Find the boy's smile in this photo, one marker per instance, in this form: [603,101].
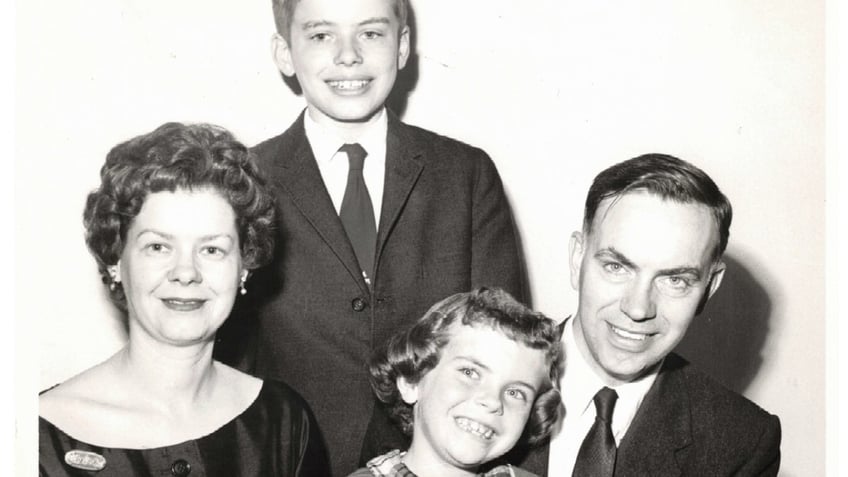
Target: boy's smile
[349,86]
[473,406]
[345,55]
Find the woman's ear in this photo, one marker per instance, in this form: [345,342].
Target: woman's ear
[408,391]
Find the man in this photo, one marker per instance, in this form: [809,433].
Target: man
[647,260]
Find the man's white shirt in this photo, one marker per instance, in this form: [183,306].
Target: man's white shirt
[334,165]
[579,385]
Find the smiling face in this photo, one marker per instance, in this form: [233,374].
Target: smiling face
[641,274]
[473,406]
[345,54]
[181,266]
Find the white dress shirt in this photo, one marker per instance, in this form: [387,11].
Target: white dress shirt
[579,385]
[334,165]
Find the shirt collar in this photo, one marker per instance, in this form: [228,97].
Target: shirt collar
[325,142]
[580,383]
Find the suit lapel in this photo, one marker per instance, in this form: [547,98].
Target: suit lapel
[403,167]
[302,179]
[661,427]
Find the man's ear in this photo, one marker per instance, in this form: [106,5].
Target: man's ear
[575,258]
[716,277]
[282,54]
[403,47]
[408,391]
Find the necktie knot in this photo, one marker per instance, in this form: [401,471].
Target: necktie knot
[355,155]
[605,403]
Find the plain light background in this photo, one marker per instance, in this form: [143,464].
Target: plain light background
[554,91]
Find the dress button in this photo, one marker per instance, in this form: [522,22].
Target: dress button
[358,304]
[180,468]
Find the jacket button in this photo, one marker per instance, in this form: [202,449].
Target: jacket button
[180,468]
[358,304]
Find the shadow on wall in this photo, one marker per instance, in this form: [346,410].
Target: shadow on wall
[726,340]
[407,78]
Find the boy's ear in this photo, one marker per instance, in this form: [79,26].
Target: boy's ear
[282,54]
[408,391]
[403,47]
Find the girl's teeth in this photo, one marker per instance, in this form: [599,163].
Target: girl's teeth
[475,428]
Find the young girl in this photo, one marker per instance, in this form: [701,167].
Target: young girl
[475,374]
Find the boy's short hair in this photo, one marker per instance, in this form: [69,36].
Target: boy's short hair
[414,352]
[284,12]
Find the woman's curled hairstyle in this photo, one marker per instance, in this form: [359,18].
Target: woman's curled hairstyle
[177,157]
[414,352]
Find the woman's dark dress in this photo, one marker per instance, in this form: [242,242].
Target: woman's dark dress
[275,436]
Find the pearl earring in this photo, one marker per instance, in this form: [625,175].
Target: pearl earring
[113,274]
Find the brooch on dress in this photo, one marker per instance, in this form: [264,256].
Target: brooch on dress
[85,460]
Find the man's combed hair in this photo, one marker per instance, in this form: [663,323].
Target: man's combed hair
[414,352]
[177,157]
[284,13]
[667,177]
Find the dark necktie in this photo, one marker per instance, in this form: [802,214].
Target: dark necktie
[357,213]
[597,453]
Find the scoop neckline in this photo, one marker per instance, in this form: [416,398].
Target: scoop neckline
[247,409]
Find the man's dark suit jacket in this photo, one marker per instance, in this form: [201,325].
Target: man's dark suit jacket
[689,425]
[445,227]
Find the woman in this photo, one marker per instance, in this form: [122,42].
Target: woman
[179,220]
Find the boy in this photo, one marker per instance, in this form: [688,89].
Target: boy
[473,375]
[364,250]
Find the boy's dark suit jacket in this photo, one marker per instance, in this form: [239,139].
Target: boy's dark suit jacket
[445,227]
[689,425]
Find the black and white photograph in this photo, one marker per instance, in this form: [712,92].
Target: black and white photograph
[425,238]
